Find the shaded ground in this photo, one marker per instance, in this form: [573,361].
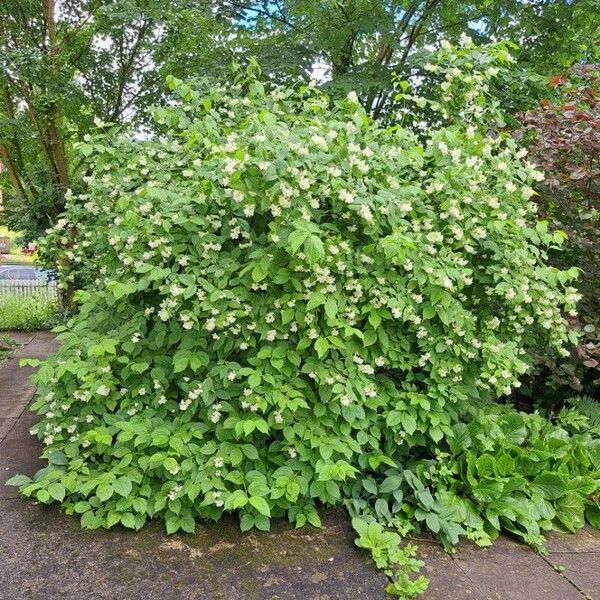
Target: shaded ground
[44,555]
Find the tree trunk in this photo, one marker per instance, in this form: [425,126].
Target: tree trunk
[53,130]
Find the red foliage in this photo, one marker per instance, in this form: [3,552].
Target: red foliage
[564,140]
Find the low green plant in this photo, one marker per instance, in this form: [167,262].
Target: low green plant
[288,305]
[396,561]
[6,346]
[589,407]
[37,311]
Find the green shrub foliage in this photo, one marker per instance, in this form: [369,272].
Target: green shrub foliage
[295,306]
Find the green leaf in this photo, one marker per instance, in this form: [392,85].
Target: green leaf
[409,424]
[581,485]
[57,491]
[259,272]
[315,299]
[250,451]
[90,521]
[57,457]
[104,492]
[235,456]
[570,511]
[370,486]
[331,308]
[321,346]
[549,485]
[236,499]
[314,519]
[314,248]
[43,496]
[374,319]
[128,520]
[18,480]
[433,522]
[296,239]
[261,505]
[180,361]
[592,514]
[246,522]
[262,522]
[122,486]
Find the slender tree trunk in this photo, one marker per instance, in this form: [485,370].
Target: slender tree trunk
[54,131]
[13,175]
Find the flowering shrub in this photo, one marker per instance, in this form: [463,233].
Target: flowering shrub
[295,306]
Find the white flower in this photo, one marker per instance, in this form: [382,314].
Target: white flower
[365,212]
[464,40]
[102,390]
[352,97]
[320,142]
[347,196]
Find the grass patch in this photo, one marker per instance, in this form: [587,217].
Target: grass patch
[16,256]
[18,259]
[15,247]
[27,313]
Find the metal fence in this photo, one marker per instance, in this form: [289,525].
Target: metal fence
[29,287]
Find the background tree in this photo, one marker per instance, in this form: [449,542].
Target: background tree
[66,62]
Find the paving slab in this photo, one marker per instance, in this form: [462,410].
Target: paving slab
[5,426]
[518,577]
[45,555]
[586,540]
[582,569]
[20,337]
[447,580]
[43,344]
[16,389]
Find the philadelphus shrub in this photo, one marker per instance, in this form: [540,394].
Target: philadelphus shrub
[290,306]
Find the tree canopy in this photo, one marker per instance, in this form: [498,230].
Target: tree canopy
[67,62]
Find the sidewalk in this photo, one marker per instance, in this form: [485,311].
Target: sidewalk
[44,555]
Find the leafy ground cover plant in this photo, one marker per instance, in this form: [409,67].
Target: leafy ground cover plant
[7,344]
[563,136]
[38,311]
[291,306]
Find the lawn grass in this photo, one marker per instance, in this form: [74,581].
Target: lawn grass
[16,256]
[26,313]
[15,247]
[17,259]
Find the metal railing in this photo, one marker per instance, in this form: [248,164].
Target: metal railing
[29,287]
